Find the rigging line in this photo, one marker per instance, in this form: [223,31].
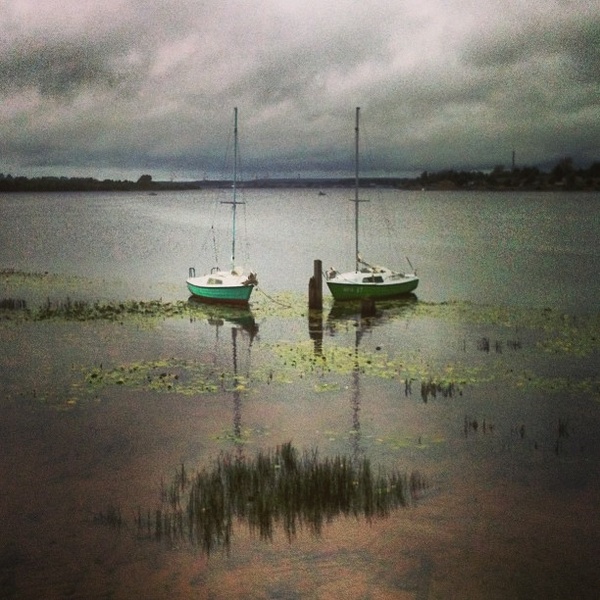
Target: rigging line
[246,239]
[241,178]
[210,236]
[215,250]
[227,158]
[367,152]
[384,211]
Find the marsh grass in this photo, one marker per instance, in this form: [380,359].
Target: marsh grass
[13,304]
[81,310]
[278,488]
[445,388]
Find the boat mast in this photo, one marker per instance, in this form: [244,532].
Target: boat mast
[356,200]
[235,151]
[234,201]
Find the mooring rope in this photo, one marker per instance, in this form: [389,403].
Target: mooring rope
[258,289]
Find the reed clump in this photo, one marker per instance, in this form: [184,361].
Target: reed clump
[81,310]
[281,488]
[14,309]
[13,304]
[432,388]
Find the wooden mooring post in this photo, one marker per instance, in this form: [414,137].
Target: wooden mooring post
[315,287]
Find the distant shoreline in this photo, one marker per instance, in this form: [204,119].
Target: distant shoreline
[563,177]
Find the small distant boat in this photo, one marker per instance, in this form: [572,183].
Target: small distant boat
[225,286]
[367,281]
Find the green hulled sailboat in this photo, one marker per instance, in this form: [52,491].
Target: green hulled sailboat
[367,281]
[225,286]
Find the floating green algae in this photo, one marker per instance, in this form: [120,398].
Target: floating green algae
[167,375]
[560,333]
[341,360]
[324,363]
[289,363]
[81,310]
[420,442]
[530,381]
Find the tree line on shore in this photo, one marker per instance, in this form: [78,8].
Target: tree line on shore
[8,183]
[563,176]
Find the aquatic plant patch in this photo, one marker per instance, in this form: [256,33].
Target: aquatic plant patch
[166,375]
[496,331]
[278,488]
[339,360]
[559,332]
[290,363]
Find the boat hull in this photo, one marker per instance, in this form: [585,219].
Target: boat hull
[348,290]
[235,294]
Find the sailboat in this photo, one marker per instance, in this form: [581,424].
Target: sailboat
[367,281]
[225,286]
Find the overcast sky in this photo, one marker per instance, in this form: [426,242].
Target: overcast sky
[123,87]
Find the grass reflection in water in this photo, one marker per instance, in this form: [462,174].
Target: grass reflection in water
[277,488]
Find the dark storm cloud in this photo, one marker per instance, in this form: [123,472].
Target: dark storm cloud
[57,69]
[575,44]
[134,85]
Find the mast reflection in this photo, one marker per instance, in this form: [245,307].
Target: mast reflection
[363,317]
[242,323]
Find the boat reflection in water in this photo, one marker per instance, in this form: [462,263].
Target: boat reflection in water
[363,316]
[371,312]
[242,322]
[240,318]
[282,487]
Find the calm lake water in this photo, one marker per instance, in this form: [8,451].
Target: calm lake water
[485,383]
[525,249]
